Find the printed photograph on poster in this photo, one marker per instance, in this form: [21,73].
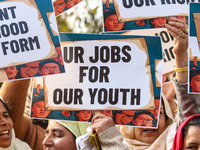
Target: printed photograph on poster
[112,23]
[194,49]
[120,117]
[61,6]
[94,80]
[28,39]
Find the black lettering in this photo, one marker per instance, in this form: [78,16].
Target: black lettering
[14,46]
[35,41]
[93,74]
[57,96]
[128,4]
[4,47]
[104,54]
[68,97]
[92,95]
[23,27]
[14,29]
[96,55]
[124,51]
[5,30]
[24,45]
[102,96]
[104,71]
[76,52]
[115,54]
[135,97]
[124,95]
[113,98]
[82,68]
[78,93]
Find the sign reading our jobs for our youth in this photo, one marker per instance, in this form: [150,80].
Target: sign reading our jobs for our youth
[24,36]
[106,72]
[129,10]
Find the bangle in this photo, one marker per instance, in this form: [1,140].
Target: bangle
[181,69]
[175,111]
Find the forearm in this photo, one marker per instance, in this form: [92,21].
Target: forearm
[112,139]
[188,104]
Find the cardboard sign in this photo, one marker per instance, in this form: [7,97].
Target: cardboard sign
[25,35]
[99,75]
[130,10]
[112,23]
[194,48]
[120,117]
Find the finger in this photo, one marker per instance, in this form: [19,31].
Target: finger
[176,33]
[179,24]
[97,116]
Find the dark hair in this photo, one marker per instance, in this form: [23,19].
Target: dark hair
[137,113]
[107,14]
[4,104]
[42,63]
[193,122]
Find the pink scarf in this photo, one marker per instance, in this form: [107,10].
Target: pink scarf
[178,141]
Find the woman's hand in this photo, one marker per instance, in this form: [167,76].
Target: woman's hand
[101,123]
[179,30]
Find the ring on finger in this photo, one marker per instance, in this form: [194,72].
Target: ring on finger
[181,35]
[186,31]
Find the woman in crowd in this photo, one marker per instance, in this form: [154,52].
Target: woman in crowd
[8,141]
[60,135]
[187,135]
[14,94]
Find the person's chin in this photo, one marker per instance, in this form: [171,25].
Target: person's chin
[150,135]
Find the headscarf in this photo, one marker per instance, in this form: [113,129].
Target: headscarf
[178,139]
[159,143]
[76,128]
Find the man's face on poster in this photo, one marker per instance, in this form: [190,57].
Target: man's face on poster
[107,113]
[159,22]
[112,23]
[182,18]
[195,83]
[140,22]
[144,120]
[39,111]
[49,68]
[11,72]
[84,115]
[66,113]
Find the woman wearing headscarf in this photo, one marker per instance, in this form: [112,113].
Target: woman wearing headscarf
[8,141]
[62,134]
[187,134]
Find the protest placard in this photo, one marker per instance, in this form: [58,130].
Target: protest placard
[194,49]
[112,23]
[106,72]
[130,10]
[120,117]
[26,36]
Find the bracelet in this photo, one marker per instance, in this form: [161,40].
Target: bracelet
[175,111]
[181,69]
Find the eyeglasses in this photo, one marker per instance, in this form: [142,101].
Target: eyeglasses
[47,68]
[141,119]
